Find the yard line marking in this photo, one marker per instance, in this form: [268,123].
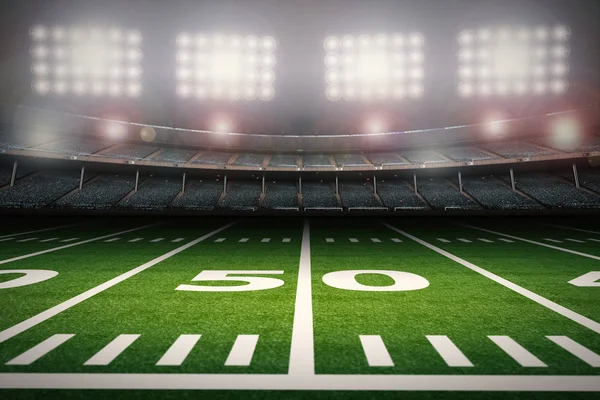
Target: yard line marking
[517,352]
[244,240]
[329,240]
[69,240]
[537,243]
[266,240]
[51,312]
[353,240]
[464,240]
[565,312]
[576,229]
[448,351]
[593,240]
[574,240]
[579,351]
[396,240]
[220,240]
[302,352]
[552,240]
[26,240]
[112,350]
[242,351]
[40,350]
[177,240]
[6,239]
[179,350]
[506,240]
[39,230]
[135,240]
[111,240]
[49,240]
[443,240]
[38,253]
[286,240]
[485,240]
[375,351]
[157,240]
[375,240]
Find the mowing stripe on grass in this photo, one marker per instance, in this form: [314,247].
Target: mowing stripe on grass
[51,312]
[49,240]
[179,350]
[112,350]
[517,352]
[557,308]
[242,351]
[38,253]
[448,351]
[40,350]
[375,351]
[579,351]
[39,230]
[302,352]
[576,229]
[536,243]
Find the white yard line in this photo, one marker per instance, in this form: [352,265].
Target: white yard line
[112,350]
[157,240]
[242,351]
[69,240]
[112,240]
[39,230]
[302,356]
[534,242]
[49,240]
[375,351]
[579,351]
[66,246]
[40,350]
[552,240]
[517,352]
[135,240]
[557,308]
[179,350]
[505,240]
[484,240]
[449,351]
[51,312]
[27,240]
[574,240]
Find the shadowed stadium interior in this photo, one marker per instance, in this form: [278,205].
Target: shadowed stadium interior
[316,199]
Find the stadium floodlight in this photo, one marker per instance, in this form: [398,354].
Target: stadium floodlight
[513,61]
[374,67]
[220,66]
[80,61]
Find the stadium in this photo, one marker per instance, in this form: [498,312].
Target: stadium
[316,199]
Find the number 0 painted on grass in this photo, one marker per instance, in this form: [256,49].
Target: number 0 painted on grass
[253,282]
[403,281]
[31,276]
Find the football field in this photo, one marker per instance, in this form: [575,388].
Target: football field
[300,308]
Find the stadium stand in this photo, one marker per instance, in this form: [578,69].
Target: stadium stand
[554,192]
[39,190]
[280,195]
[517,149]
[466,154]
[349,159]
[174,155]
[5,174]
[586,144]
[101,193]
[152,194]
[588,179]
[358,195]
[213,158]
[199,195]
[494,195]
[242,196]
[76,146]
[130,151]
[443,196]
[252,160]
[316,160]
[318,195]
[423,157]
[386,159]
[283,160]
[399,195]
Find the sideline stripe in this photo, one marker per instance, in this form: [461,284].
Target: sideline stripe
[517,352]
[40,350]
[557,308]
[574,240]
[576,229]
[179,350]
[49,240]
[366,382]
[534,242]
[375,351]
[448,351]
[242,351]
[244,240]
[302,352]
[135,240]
[579,351]
[66,246]
[26,240]
[112,350]
[39,230]
[69,240]
[51,312]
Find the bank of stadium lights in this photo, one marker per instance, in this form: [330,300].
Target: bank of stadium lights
[374,67]
[513,61]
[225,67]
[86,61]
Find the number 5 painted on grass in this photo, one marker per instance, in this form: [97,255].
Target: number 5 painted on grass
[30,277]
[253,282]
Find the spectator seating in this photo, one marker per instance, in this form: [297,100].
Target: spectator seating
[39,190]
[242,196]
[153,194]
[517,149]
[423,157]
[174,155]
[442,195]
[591,143]
[284,160]
[466,154]
[357,195]
[494,195]
[280,195]
[101,193]
[318,195]
[252,160]
[386,159]
[213,158]
[349,160]
[554,192]
[316,160]
[130,151]
[398,194]
[76,145]
[199,195]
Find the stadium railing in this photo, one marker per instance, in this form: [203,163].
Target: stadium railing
[323,209]
[368,208]
[409,208]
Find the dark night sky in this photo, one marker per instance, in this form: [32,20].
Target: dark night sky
[300,27]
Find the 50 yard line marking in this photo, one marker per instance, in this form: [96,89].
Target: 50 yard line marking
[557,308]
[51,312]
